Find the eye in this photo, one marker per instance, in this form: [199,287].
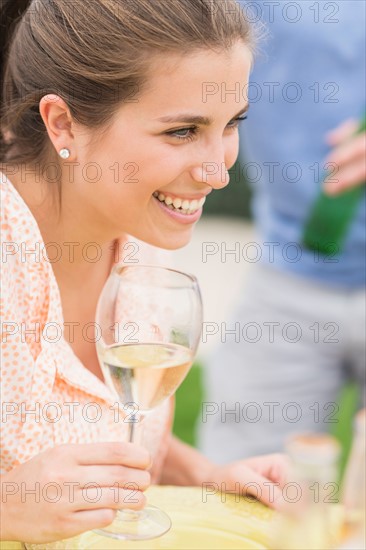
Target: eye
[235,123]
[188,133]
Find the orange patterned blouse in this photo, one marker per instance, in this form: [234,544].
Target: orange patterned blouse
[48,397]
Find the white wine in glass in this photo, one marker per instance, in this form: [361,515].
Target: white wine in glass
[145,373]
[150,320]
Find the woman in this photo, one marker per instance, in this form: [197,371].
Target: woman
[111,112]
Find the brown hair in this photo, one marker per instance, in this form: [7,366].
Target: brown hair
[95,55]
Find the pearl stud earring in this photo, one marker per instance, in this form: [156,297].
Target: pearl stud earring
[65,154]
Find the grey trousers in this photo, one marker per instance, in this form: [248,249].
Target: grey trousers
[290,346]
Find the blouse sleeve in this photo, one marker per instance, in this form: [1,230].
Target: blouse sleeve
[28,369]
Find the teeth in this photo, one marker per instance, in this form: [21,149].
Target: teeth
[177,203]
[183,205]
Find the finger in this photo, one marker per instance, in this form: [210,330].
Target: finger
[274,467]
[280,465]
[112,476]
[94,497]
[351,175]
[342,132]
[264,490]
[125,454]
[349,151]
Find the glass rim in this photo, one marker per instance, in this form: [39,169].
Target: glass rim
[118,267]
[313,448]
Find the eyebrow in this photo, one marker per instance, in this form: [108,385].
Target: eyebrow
[186,118]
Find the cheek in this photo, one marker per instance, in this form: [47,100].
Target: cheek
[232,152]
[160,171]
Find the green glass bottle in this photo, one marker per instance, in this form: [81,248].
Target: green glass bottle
[331,216]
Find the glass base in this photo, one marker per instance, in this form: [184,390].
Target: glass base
[150,523]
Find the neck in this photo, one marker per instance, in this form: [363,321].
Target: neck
[74,241]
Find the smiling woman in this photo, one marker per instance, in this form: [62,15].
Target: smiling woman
[89,157]
[111,95]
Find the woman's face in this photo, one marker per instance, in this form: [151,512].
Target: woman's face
[146,163]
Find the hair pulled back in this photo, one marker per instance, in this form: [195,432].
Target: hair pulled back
[95,55]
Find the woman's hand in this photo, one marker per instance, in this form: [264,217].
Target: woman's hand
[348,156]
[70,489]
[262,477]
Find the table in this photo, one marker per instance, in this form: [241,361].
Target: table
[201,520]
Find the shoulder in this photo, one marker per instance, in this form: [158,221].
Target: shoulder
[17,220]
[25,271]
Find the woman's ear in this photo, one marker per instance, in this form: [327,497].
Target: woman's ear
[58,121]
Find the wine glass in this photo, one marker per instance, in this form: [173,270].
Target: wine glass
[150,320]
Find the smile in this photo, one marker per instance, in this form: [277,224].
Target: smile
[183,206]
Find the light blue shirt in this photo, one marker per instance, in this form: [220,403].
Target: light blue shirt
[308,78]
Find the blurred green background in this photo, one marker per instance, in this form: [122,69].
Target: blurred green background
[191,394]
[234,201]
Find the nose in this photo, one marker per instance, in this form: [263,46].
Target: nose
[214,174]
[213,170]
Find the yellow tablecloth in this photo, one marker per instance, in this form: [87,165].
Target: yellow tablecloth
[199,521]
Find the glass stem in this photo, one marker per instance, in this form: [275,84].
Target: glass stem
[134,428]
[132,515]
[131,430]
